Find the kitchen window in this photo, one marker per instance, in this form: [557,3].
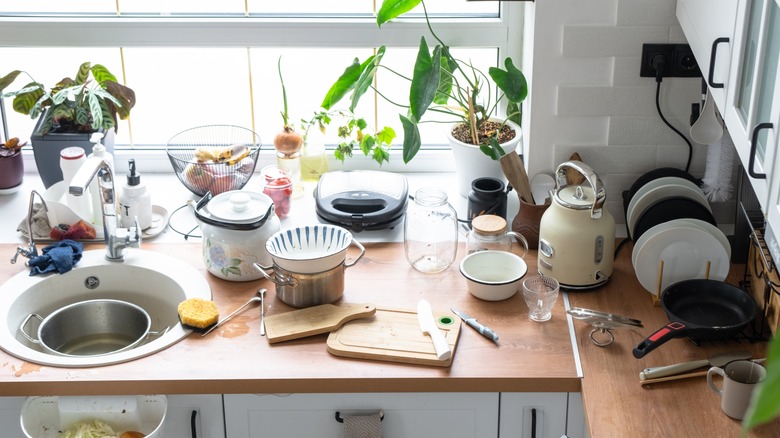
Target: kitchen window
[203,62]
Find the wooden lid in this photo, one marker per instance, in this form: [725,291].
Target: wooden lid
[489,224]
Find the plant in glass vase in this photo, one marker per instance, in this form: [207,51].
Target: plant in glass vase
[449,87]
[69,112]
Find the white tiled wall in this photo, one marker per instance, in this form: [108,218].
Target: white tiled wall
[587,96]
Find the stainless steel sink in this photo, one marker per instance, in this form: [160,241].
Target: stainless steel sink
[154,281]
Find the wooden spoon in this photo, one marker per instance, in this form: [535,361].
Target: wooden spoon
[514,170]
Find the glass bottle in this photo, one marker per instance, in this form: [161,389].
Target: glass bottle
[430,231]
[314,160]
[291,164]
[488,232]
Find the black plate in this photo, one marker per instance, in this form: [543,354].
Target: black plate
[671,209]
[661,172]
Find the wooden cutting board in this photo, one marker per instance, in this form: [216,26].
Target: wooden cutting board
[313,320]
[394,335]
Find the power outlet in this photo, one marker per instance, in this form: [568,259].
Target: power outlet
[680,62]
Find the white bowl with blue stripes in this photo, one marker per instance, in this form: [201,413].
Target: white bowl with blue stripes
[309,249]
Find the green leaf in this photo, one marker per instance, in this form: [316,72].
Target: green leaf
[25,101]
[444,89]
[765,404]
[425,80]
[412,140]
[123,96]
[8,79]
[367,144]
[381,155]
[511,81]
[515,112]
[368,71]
[342,85]
[386,135]
[102,75]
[393,9]
[82,115]
[83,74]
[492,149]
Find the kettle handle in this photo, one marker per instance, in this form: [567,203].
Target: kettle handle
[591,177]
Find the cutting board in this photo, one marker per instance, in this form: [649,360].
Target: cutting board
[313,320]
[394,335]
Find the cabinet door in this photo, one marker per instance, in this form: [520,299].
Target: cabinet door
[539,415]
[752,94]
[204,412]
[708,26]
[10,417]
[452,415]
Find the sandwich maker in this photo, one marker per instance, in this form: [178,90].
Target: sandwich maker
[361,199]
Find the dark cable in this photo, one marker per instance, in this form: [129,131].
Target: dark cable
[659,62]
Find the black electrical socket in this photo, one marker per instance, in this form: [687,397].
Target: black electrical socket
[679,61]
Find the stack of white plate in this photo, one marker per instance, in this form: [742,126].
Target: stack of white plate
[689,249]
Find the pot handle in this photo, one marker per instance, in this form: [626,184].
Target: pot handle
[669,331]
[362,251]
[24,324]
[282,280]
[590,176]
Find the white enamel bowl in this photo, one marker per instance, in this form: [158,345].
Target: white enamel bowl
[310,249]
[493,275]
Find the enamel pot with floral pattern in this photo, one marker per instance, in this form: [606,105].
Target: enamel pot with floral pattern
[235,226]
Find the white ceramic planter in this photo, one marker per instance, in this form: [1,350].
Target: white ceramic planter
[471,163]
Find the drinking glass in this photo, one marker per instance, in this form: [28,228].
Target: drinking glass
[540,294]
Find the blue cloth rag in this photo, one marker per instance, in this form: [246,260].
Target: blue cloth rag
[60,257]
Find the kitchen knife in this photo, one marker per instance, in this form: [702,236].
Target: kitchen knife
[717,360]
[476,325]
[428,325]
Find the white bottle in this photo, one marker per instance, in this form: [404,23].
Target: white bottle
[94,187]
[135,201]
[71,160]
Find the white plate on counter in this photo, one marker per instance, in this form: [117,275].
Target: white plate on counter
[685,249]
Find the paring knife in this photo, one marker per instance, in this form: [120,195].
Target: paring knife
[717,360]
[428,325]
[476,325]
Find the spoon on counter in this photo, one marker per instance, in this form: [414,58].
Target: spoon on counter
[262,311]
[258,297]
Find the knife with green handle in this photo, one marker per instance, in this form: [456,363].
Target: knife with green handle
[476,325]
[717,360]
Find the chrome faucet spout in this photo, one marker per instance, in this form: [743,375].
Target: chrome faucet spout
[30,250]
[116,237]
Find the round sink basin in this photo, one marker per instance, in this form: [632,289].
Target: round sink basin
[154,281]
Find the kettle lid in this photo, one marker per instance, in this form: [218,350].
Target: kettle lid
[580,197]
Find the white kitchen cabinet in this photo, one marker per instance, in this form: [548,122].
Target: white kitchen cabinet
[10,417]
[709,26]
[452,415]
[538,415]
[752,99]
[209,420]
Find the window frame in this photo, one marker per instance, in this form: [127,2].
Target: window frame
[504,32]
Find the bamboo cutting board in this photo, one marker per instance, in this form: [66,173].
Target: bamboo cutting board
[313,320]
[394,335]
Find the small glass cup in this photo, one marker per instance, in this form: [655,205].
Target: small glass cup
[278,186]
[540,294]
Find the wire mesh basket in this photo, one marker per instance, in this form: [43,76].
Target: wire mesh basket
[214,158]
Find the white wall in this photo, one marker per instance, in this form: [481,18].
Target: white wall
[587,96]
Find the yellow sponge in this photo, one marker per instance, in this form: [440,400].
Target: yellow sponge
[198,313]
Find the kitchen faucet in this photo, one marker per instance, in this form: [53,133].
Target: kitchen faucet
[30,250]
[116,237]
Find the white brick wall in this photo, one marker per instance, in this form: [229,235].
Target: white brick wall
[587,96]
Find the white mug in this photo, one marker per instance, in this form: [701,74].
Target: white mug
[740,378]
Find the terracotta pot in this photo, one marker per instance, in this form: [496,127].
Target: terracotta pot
[527,222]
[471,163]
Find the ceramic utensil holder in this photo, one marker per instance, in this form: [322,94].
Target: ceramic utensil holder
[527,222]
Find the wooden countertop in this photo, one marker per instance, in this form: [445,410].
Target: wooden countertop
[612,396]
[236,359]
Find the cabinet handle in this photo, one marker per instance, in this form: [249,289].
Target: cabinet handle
[533,423]
[192,423]
[713,54]
[753,147]
[340,419]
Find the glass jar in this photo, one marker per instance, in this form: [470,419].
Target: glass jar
[488,232]
[430,231]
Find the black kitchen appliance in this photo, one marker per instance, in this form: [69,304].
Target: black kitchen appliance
[361,199]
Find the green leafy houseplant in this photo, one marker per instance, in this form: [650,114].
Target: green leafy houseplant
[91,101]
[442,84]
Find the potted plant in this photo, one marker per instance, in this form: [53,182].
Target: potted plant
[11,165]
[447,86]
[70,112]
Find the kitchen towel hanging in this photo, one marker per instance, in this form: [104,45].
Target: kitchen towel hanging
[363,426]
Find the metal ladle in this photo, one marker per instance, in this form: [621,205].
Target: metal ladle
[258,297]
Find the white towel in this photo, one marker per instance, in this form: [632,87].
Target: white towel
[363,426]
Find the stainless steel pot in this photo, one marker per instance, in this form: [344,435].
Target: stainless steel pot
[91,328]
[306,290]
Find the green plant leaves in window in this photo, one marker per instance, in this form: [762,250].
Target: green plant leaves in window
[368,71]
[511,81]
[412,141]
[342,86]
[425,80]
[394,8]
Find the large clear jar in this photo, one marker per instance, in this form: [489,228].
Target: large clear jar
[489,232]
[430,231]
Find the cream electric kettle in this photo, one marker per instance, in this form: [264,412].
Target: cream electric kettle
[577,234]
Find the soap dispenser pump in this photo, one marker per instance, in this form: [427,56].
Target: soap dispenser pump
[98,150]
[135,201]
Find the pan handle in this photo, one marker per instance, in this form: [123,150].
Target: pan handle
[669,331]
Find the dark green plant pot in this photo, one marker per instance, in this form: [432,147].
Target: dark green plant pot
[46,149]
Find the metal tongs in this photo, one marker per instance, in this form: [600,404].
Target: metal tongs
[603,323]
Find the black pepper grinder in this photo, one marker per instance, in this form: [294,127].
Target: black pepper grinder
[487,196]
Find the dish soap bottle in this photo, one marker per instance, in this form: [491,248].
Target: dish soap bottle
[98,150]
[135,200]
